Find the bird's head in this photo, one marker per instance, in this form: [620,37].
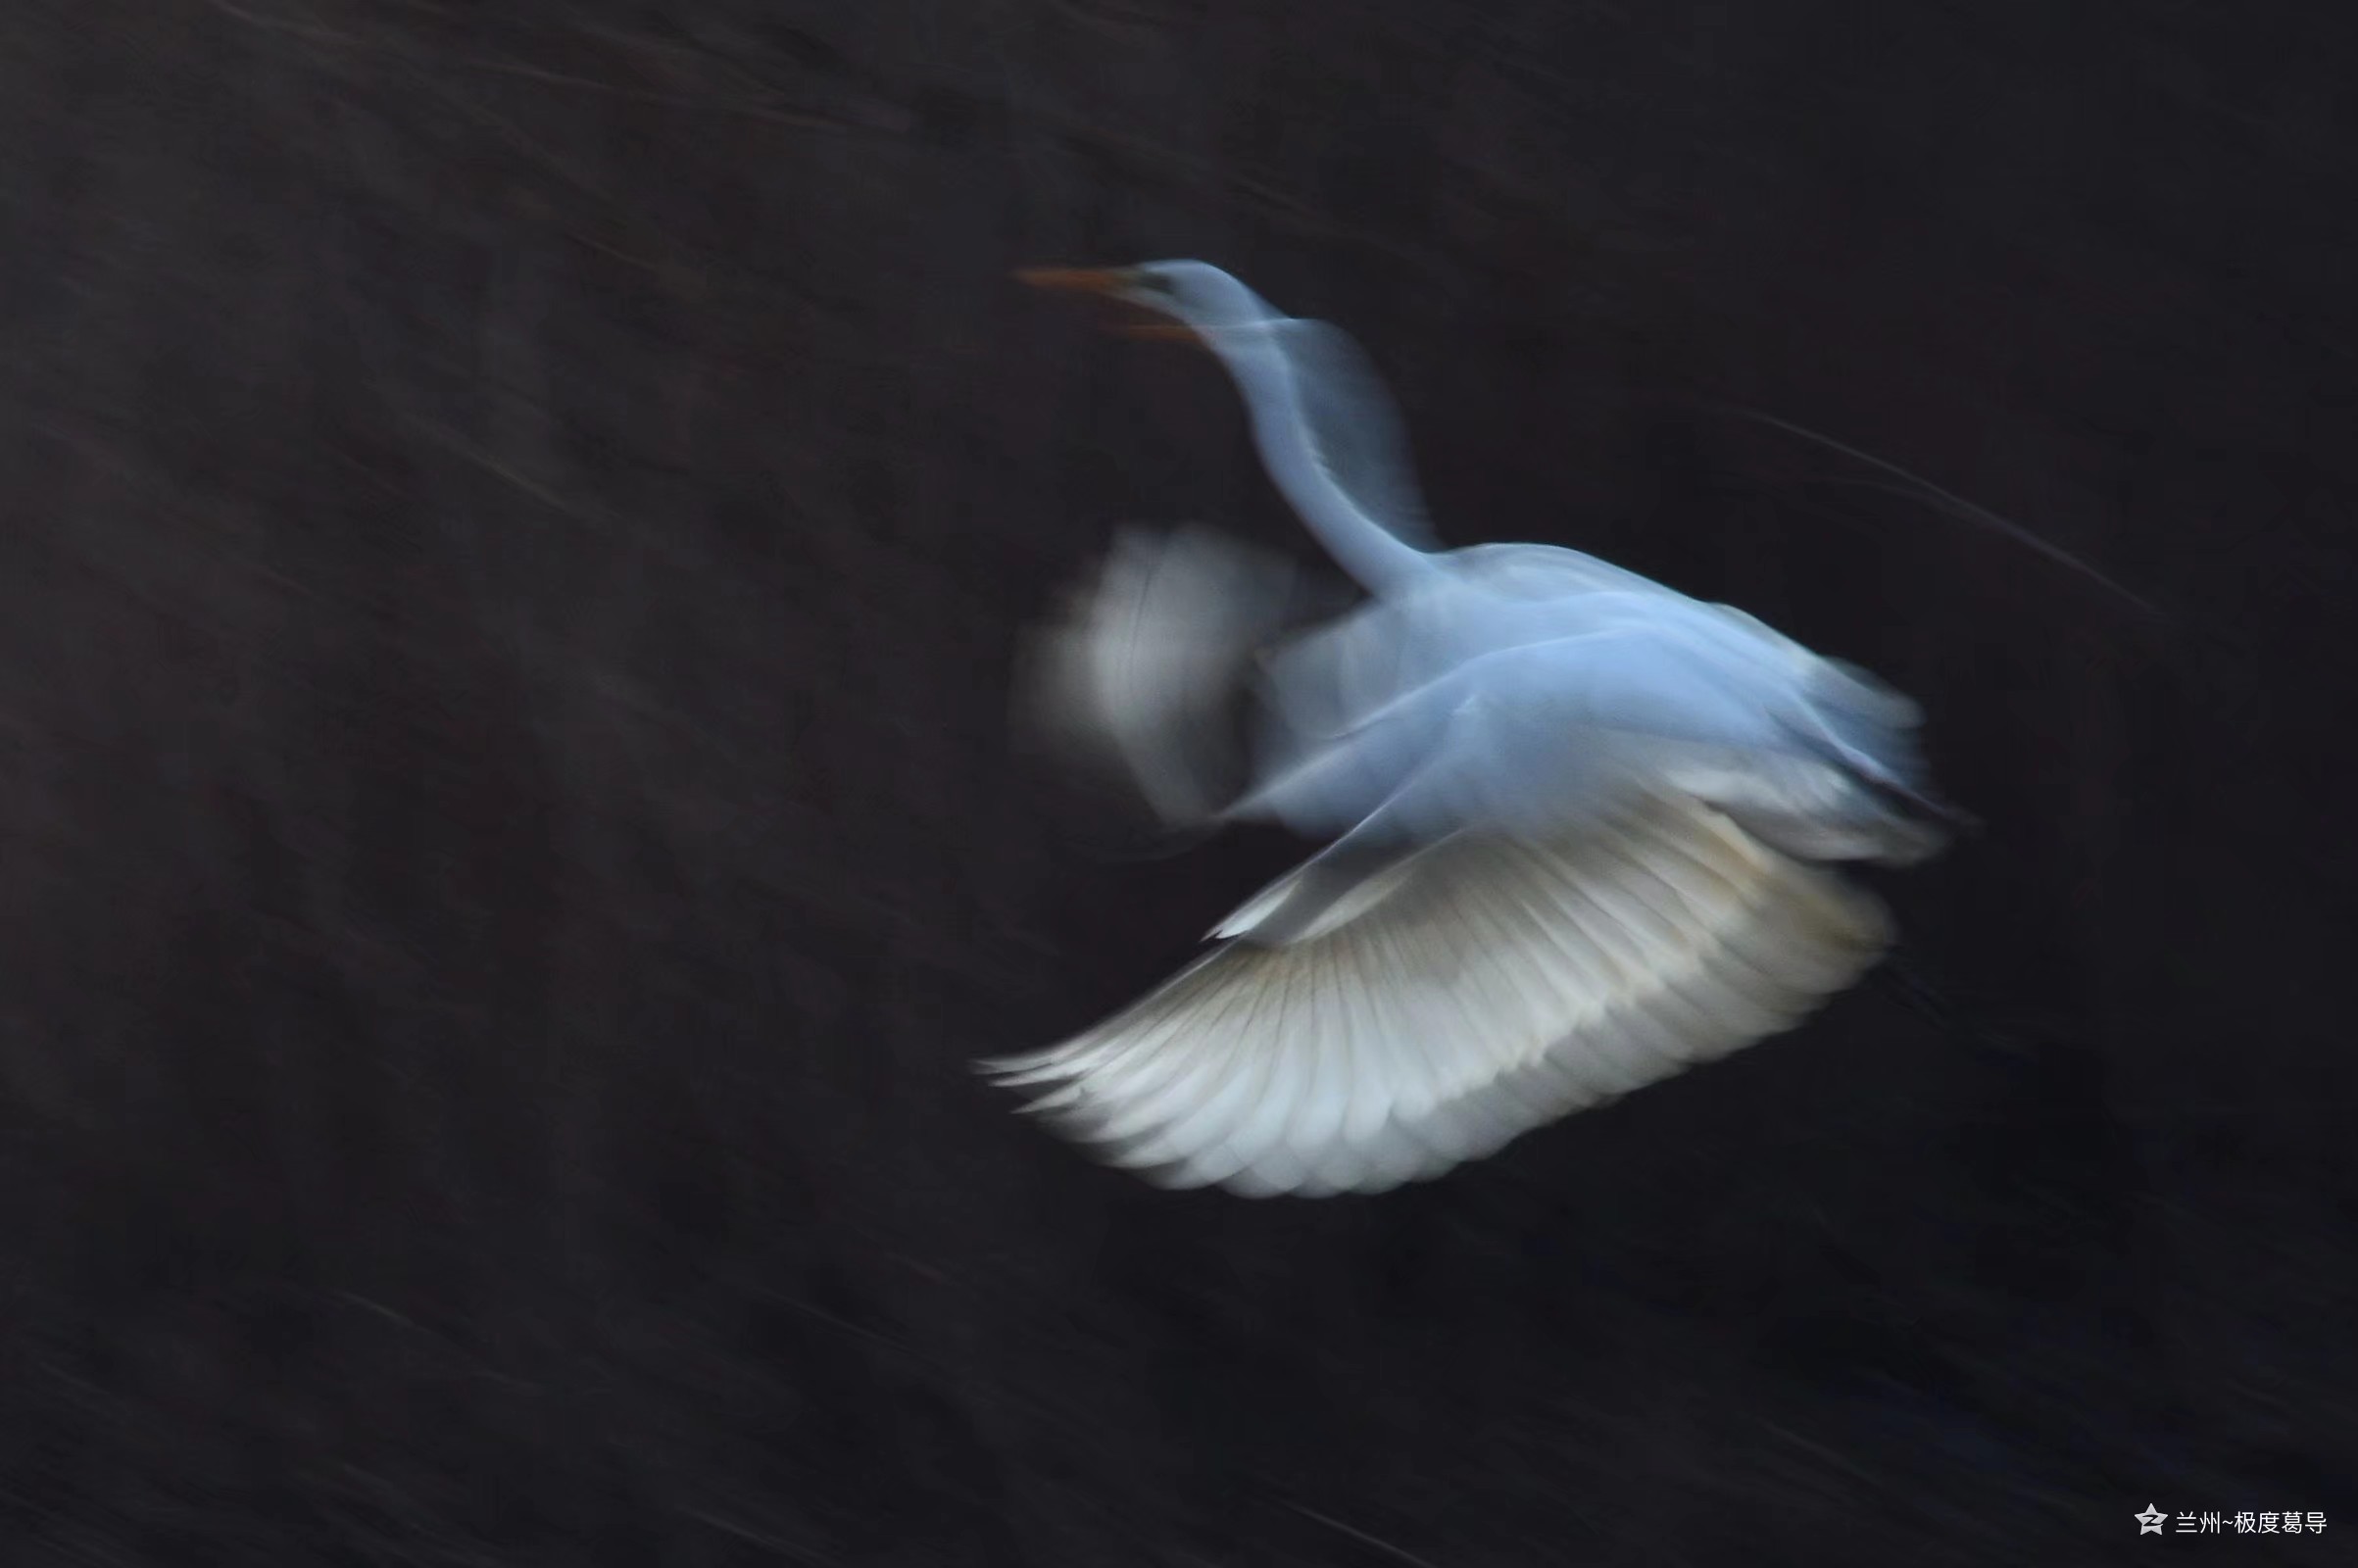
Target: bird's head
[1192,298]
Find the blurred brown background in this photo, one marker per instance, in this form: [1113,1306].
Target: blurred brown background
[515,525]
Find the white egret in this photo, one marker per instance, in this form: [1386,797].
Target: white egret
[1577,823]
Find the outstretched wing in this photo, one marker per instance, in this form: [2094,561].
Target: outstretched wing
[1482,988]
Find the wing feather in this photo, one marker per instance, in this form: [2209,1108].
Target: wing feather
[1500,985]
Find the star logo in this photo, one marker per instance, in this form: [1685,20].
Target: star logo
[2149,1522]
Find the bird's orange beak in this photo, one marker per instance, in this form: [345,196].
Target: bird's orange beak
[1107,283]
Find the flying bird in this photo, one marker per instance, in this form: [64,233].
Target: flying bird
[1579,828]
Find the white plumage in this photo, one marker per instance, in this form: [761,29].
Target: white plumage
[1573,816]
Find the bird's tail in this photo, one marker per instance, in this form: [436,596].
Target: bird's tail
[1145,674]
[1858,787]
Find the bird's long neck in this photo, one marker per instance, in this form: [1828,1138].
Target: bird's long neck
[1379,559]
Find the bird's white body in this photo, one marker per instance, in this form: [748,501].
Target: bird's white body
[1572,814]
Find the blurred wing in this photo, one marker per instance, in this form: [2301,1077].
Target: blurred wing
[1140,672]
[1484,988]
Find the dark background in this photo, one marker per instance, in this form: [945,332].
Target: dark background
[515,527]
